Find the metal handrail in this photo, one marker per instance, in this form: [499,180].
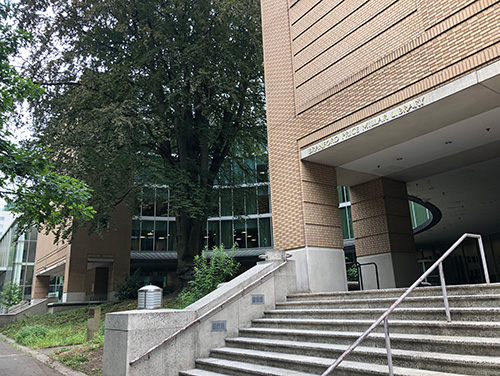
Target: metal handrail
[384,316]
[211,311]
[360,277]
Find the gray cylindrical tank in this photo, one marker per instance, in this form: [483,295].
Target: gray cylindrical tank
[149,297]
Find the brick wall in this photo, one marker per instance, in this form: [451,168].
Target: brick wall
[330,64]
[381,217]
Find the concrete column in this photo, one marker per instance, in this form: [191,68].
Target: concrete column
[383,232]
[321,263]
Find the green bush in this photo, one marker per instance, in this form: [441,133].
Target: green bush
[11,294]
[210,270]
[129,289]
[30,334]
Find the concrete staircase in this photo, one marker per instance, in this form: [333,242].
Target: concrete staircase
[304,335]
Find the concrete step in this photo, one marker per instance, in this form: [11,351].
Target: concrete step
[438,314]
[200,372]
[433,361]
[458,328]
[289,363]
[402,341]
[347,368]
[19,307]
[476,289]
[465,301]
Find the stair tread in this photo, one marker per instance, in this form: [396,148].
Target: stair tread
[200,372]
[382,310]
[325,362]
[478,324]
[455,358]
[256,369]
[491,341]
[389,299]
[399,291]
[255,352]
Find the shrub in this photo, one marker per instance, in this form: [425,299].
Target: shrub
[29,334]
[11,294]
[210,270]
[129,289]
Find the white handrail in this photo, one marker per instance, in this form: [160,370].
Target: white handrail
[384,316]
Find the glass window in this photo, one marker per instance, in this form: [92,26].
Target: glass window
[32,252]
[224,176]
[214,210]
[147,235]
[162,202]
[213,235]
[251,200]
[29,276]
[24,246]
[238,172]
[161,236]
[33,234]
[345,226]
[240,233]
[343,194]
[171,236]
[263,192]
[262,169]
[136,235]
[349,221]
[252,234]
[238,201]
[148,202]
[265,232]
[227,233]
[250,176]
[226,202]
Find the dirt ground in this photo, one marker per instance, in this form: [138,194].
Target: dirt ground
[92,366]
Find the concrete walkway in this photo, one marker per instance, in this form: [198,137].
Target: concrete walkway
[23,361]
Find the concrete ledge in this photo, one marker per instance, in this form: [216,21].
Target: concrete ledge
[40,307]
[130,334]
[66,306]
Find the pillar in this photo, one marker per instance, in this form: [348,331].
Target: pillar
[383,233]
[321,262]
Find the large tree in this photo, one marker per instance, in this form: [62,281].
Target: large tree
[145,91]
[28,181]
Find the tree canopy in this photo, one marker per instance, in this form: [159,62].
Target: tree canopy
[142,91]
[28,181]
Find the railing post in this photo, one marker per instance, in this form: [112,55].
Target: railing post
[483,259]
[445,295]
[388,346]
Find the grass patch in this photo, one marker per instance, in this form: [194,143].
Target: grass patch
[69,328]
[60,329]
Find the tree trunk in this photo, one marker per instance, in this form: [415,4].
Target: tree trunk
[190,234]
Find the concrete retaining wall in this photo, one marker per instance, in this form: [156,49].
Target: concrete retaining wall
[36,308]
[130,334]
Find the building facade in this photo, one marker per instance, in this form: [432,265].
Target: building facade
[390,98]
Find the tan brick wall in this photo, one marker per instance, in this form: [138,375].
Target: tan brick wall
[304,201]
[462,40]
[381,217]
[321,202]
[286,200]
[330,64]
[345,39]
